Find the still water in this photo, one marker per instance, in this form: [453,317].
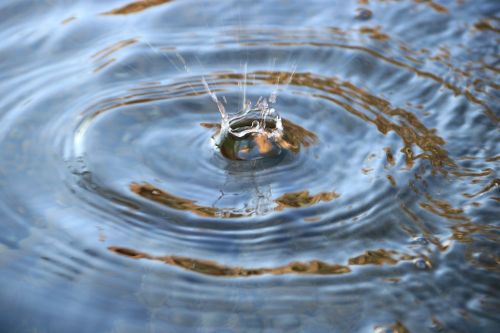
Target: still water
[123,209]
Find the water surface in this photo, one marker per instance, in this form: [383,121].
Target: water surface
[379,214]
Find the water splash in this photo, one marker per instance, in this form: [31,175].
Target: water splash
[255,131]
[219,104]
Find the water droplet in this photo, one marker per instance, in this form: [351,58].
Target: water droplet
[363,14]
[421,263]
[420,240]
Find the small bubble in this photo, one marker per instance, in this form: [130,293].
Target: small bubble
[421,263]
[420,240]
[363,14]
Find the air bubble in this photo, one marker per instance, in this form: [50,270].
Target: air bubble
[422,263]
[363,14]
[420,240]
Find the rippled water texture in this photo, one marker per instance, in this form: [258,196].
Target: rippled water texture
[377,212]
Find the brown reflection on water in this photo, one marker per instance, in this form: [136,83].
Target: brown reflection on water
[380,257]
[437,7]
[303,199]
[287,200]
[377,257]
[374,110]
[374,33]
[68,20]
[465,232]
[295,136]
[389,156]
[104,65]
[443,209]
[109,50]
[391,180]
[485,25]
[468,233]
[152,193]
[430,3]
[211,125]
[135,7]
[101,57]
[312,267]
[208,267]
[469,173]
[495,183]
[493,158]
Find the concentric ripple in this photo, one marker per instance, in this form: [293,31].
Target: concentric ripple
[122,211]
